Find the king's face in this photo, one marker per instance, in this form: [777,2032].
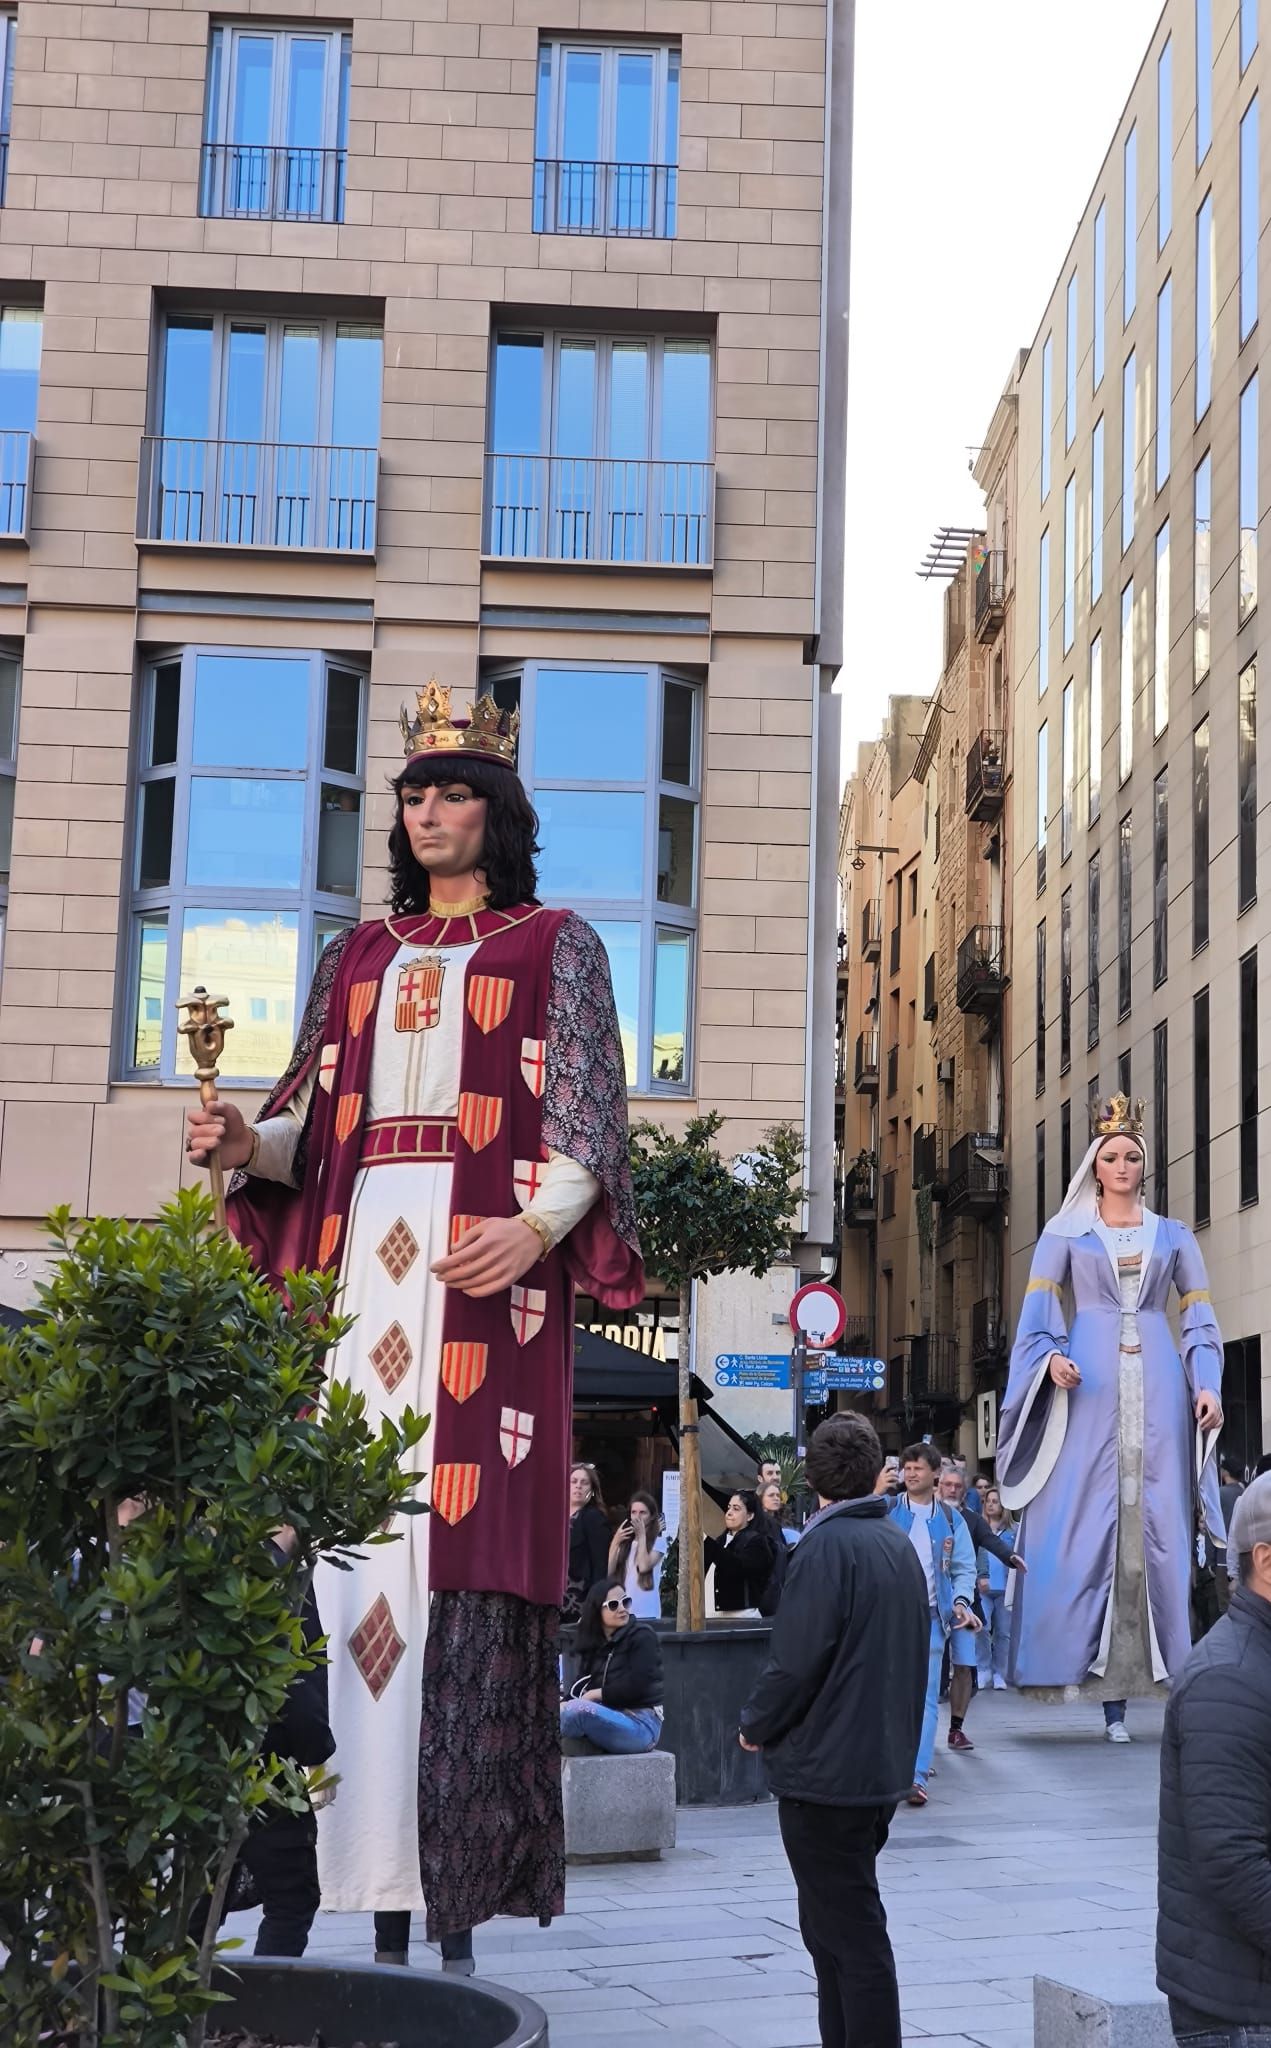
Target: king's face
[445,825]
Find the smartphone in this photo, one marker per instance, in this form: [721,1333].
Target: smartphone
[893,1464]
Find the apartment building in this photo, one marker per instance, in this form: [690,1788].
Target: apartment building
[1138,841]
[497,340]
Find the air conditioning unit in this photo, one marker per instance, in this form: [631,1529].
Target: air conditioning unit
[944,1071]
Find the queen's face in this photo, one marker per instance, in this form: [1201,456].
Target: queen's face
[1119,1167]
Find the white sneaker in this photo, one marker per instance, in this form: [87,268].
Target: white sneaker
[1118,1732]
[999,1683]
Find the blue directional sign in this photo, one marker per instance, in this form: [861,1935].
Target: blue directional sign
[826,1372]
[860,1375]
[752,1369]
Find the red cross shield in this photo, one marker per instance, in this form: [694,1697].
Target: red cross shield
[327,1066]
[419,995]
[527,1179]
[516,1433]
[529,1306]
[533,1064]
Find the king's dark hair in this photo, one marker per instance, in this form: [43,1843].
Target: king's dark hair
[511,832]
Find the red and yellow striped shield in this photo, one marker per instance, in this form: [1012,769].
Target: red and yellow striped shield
[362,997]
[419,996]
[327,1242]
[463,1369]
[327,1066]
[460,1224]
[348,1115]
[454,1491]
[479,1119]
[489,1000]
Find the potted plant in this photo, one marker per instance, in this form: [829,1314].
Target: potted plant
[159,1425]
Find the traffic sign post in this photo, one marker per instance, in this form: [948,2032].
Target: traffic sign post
[798,1364]
[819,1314]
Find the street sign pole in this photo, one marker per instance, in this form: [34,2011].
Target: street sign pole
[798,1365]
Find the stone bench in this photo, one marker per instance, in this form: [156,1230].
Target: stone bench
[618,1809]
[1112,2006]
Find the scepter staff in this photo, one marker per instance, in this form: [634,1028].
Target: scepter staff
[206,1028]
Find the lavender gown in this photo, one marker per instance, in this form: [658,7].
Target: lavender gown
[1111,1476]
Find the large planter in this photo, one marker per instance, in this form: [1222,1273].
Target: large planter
[371,2002]
[708,1679]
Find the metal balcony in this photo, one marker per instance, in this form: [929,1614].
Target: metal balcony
[930,1168]
[590,508]
[258,494]
[933,1369]
[887,1206]
[17,473]
[930,1000]
[857,1340]
[872,930]
[977,1175]
[867,1063]
[257,181]
[988,1334]
[981,970]
[576,197]
[990,595]
[860,1194]
[986,776]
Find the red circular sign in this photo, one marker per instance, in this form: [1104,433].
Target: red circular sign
[820,1312]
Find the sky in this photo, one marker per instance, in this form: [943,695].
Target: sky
[978,137]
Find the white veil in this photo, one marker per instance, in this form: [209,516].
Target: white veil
[1079,1210]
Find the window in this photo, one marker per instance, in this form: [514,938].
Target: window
[1065,985]
[1248,31]
[1070,364]
[1160,652]
[1092,953]
[1247,787]
[1200,1107]
[1164,143]
[1125,711]
[1042,803]
[1041,1009]
[246,848]
[600,449]
[1200,836]
[276,123]
[1125,885]
[1130,226]
[606,138]
[1043,615]
[1094,732]
[1065,1144]
[1200,570]
[1040,1142]
[1048,371]
[1070,562]
[1123,1074]
[267,433]
[1164,376]
[1249,219]
[1096,512]
[1160,879]
[21,332]
[1204,80]
[611,758]
[1099,293]
[8,36]
[1160,1114]
[10,688]
[1066,746]
[1206,305]
[1248,499]
[1128,462]
[1249,1078]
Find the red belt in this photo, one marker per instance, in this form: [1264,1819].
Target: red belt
[395,1140]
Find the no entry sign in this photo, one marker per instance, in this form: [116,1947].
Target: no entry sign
[819,1314]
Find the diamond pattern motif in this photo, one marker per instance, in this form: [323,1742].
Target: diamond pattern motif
[391,1357]
[376,1647]
[399,1251]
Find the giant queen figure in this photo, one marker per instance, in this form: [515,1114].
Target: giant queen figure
[1107,1436]
[451,1139]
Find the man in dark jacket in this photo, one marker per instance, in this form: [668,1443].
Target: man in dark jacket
[1213,1930]
[837,1712]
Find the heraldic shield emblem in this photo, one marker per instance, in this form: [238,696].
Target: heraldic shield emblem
[419,995]
[516,1433]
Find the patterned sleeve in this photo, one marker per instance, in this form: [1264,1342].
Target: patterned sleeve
[585,1087]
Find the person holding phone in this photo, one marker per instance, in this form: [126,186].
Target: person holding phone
[636,1556]
[946,1553]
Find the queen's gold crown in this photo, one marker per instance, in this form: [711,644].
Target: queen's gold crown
[1117,1118]
[487,732]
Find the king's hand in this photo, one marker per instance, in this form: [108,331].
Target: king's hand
[219,1128]
[490,1257]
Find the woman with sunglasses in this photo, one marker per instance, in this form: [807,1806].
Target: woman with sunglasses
[617,1702]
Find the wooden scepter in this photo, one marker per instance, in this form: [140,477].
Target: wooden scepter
[205,1028]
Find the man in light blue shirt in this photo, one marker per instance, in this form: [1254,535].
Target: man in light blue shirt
[947,1555]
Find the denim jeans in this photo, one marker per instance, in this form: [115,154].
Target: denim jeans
[994,1640]
[624,1731]
[961,1652]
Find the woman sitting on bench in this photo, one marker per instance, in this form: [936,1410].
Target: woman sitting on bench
[617,1702]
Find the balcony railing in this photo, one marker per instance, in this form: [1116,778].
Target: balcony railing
[977,1174]
[988,1337]
[981,970]
[930,1000]
[986,776]
[17,471]
[893,1068]
[887,1207]
[990,594]
[867,1063]
[579,197]
[860,1194]
[857,1340]
[872,930]
[930,1169]
[933,1368]
[576,508]
[258,494]
[264,181]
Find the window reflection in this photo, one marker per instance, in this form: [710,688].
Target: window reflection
[251,957]
[590,725]
[245,833]
[671,985]
[622,944]
[677,733]
[1248,499]
[677,864]
[339,840]
[250,713]
[593,843]
[151,979]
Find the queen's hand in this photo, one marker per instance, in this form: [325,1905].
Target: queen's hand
[1209,1411]
[1063,1372]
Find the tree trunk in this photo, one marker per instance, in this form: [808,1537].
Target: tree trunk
[690,1597]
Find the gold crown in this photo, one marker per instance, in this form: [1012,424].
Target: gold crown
[1115,1118]
[487,732]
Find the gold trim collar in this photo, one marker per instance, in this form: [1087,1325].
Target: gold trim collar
[468,908]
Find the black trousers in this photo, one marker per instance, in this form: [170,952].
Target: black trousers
[833,1852]
[278,1870]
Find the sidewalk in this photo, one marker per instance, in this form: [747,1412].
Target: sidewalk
[1036,1854]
